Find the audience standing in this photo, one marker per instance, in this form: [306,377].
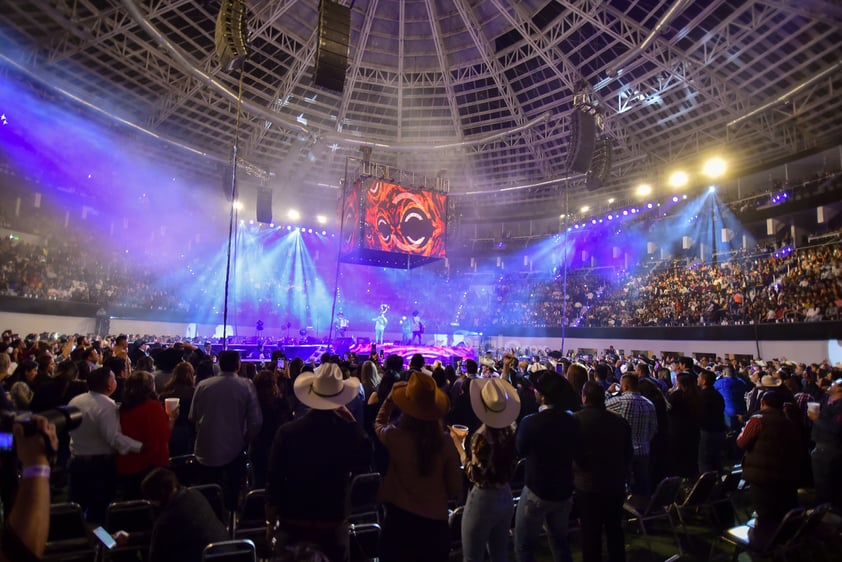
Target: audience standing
[547,440]
[641,416]
[423,472]
[226,414]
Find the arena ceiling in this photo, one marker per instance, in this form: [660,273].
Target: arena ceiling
[479,92]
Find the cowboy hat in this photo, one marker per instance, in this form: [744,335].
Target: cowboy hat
[421,398]
[494,401]
[325,389]
[770,381]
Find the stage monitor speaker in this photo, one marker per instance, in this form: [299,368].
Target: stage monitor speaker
[582,137]
[264,205]
[230,36]
[332,50]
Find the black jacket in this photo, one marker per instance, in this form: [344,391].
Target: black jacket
[547,440]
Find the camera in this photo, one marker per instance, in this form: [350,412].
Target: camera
[65,418]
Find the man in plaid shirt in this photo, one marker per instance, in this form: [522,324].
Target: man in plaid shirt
[640,413]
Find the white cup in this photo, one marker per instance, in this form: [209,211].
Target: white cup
[814,407]
[171,404]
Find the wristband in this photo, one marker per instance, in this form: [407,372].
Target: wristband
[36,471]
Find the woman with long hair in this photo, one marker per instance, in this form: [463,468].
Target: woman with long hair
[423,472]
[142,417]
[489,462]
[182,385]
[369,377]
[276,412]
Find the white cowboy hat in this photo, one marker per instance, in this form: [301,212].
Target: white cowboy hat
[770,381]
[494,401]
[325,389]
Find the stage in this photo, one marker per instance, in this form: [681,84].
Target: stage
[313,352]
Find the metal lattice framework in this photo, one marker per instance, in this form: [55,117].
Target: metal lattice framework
[478,90]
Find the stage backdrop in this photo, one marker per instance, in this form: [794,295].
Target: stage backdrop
[390,225]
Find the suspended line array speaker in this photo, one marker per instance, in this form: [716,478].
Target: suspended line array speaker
[603,158]
[230,36]
[332,50]
[264,205]
[582,133]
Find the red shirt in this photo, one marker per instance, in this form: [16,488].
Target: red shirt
[149,424]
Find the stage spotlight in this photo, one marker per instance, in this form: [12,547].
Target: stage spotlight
[625,213]
[611,200]
[293,214]
[611,217]
[324,232]
[321,219]
[593,221]
[675,199]
[649,206]
[643,190]
[251,222]
[714,167]
[271,225]
[289,228]
[584,209]
[678,179]
[711,188]
[309,231]
[238,205]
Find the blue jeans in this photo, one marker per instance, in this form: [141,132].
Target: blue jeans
[533,513]
[485,522]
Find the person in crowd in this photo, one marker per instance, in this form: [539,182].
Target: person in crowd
[25,373]
[711,424]
[684,415]
[577,374]
[60,389]
[659,454]
[186,522]
[489,465]
[423,472]
[642,417]
[227,417]
[601,466]
[827,454]
[182,386]
[276,411]
[165,362]
[27,523]
[120,368]
[733,390]
[772,445]
[92,470]
[369,377]
[547,440]
[311,461]
[142,417]
[138,350]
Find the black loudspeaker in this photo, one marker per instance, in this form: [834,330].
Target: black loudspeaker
[582,133]
[230,35]
[264,205]
[603,158]
[332,51]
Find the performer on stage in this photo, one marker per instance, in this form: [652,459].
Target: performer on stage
[380,324]
[406,330]
[341,325]
[417,327]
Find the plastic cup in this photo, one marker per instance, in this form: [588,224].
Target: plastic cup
[814,407]
[460,430]
[171,404]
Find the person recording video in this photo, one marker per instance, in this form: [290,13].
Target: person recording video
[27,526]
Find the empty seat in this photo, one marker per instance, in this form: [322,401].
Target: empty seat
[68,538]
[362,498]
[237,550]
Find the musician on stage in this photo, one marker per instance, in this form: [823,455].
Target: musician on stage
[380,324]
[417,327]
[341,325]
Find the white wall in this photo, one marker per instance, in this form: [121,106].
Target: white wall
[806,351]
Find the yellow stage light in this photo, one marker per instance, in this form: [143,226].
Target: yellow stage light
[643,190]
[678,179]
[714,167]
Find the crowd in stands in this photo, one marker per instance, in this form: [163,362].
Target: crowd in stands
[445,442]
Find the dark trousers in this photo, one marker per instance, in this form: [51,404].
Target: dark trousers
[599,511]
[407,537]
[711,445]
[332,540]
[640,482]
[230,476]
[827,469]
[771,502]
[93,482]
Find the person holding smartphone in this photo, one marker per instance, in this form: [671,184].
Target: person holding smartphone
[27,526]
